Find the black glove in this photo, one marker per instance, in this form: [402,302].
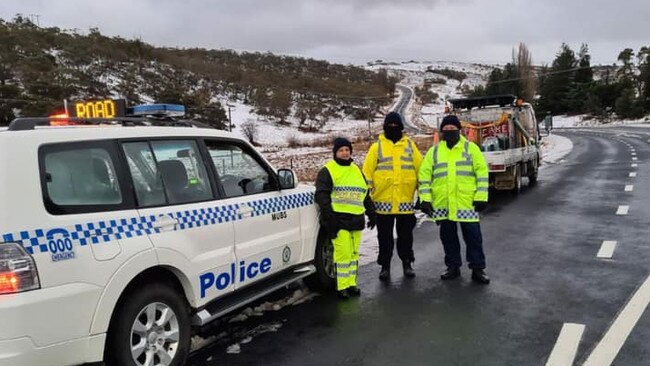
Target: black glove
[479,206]
[372,221]
[426,208]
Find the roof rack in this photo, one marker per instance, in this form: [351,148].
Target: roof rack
[482,102]
[30,123]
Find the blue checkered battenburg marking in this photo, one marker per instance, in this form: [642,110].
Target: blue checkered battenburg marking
[467,214]
[383,206]
[405,207]
[349,189]
[36,241]
[441,212]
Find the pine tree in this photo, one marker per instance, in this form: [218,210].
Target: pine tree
[556,84]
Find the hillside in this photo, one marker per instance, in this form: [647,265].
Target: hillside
[40,67]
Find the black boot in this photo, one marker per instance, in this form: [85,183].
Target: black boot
[479,276]
[343,294]
[408,270]
[384,274]
[354,291]
[450,273]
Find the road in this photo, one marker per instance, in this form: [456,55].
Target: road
[402,104]
[541,249]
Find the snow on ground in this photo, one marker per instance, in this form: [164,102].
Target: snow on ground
[299,296]
[555,148]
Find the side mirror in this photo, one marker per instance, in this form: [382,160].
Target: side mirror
[286,178]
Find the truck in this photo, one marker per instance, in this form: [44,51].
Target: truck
[505,129]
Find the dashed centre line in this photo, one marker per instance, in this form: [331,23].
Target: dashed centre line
[632,174]
[607,249]
[629,188]
[566,346]
[622,210]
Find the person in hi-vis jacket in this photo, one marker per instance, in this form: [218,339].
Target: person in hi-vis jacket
[454,189]
[343,199]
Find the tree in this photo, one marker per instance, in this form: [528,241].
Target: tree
[523,66]
[644,78]
[584,77]
[627,106]
[555,83]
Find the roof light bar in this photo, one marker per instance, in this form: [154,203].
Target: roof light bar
[171,110]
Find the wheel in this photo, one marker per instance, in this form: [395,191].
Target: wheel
[151,328]
[325,277]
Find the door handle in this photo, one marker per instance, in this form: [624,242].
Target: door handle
[245,210]
[166,223]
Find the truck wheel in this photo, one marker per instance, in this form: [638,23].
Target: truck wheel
[325,277]
[151,327]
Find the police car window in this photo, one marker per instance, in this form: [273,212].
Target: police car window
[144,172]
[182,170]
[80,177]
[239,172]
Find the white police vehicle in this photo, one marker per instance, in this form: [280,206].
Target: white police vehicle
[121,236]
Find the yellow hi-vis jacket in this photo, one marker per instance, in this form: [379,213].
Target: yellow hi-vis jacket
[451,180]
[392,173]
[349,188]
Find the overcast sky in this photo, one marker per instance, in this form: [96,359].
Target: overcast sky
[357,31]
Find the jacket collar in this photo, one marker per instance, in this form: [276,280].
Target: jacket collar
[383,139]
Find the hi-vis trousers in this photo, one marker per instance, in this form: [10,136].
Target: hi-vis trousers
[346,258]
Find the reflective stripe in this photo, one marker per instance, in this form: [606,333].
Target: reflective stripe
[441,165]
[347,202]
[344,275]
[435,157]
[408,167]
[483,180]
[369,182]
[349,189]
[425,190]
[343,265]
[465,174]
[384,167]
[440,213]
[464,163]
[384,160]
[383,206]
[406,206]
[425,182]
[406,158]
[467,214]
[482,189]
[440,175]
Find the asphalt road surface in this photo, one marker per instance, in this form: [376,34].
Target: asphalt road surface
[541,249]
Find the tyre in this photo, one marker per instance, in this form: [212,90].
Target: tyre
[150,327]
[324,279]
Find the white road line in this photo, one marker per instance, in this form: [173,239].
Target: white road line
[634,158]
[632,174]
[622,210]
[606,249]
[634,165]
[633,154]
[629,188]
[566,346]
[608,347]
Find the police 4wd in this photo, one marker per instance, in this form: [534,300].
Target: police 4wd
[120,236]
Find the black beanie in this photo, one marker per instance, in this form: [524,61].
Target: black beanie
[450,120]
[339,142]
[393,117]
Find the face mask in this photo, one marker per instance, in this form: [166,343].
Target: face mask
[451,137]
[393,133]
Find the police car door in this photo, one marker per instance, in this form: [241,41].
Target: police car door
[267,229]
[193,231]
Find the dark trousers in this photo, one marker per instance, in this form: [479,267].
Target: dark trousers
[405,226]
[473,243]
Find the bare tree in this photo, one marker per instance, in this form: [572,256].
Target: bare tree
[249,129]
[523,61]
